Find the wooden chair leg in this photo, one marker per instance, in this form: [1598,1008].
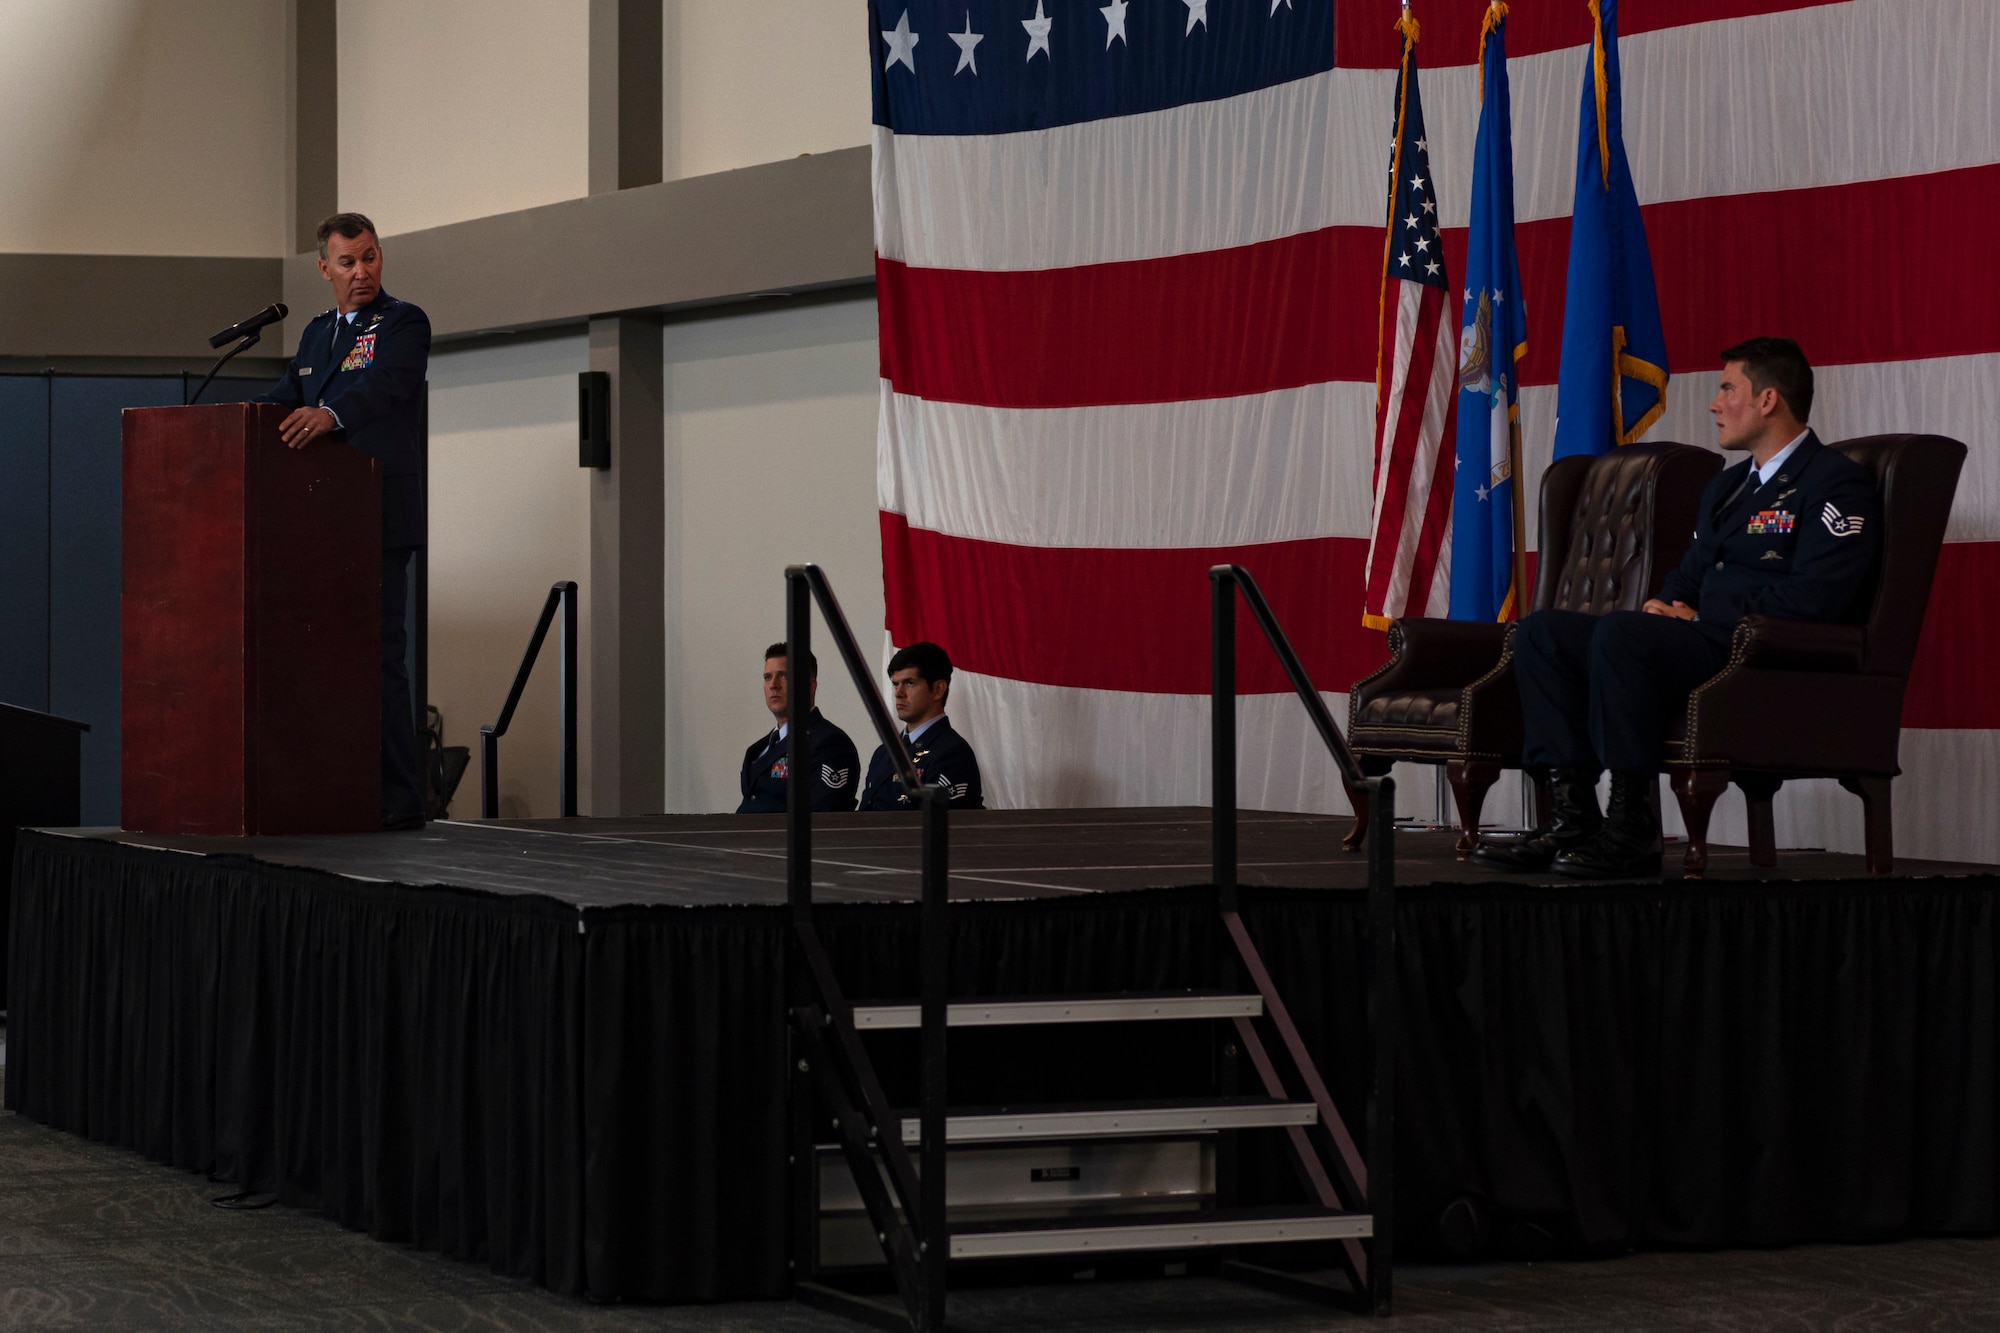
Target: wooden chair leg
[1545,799]
[1470,780]
[1359,801]
[1875,814]
[1758,790]
[1697,790]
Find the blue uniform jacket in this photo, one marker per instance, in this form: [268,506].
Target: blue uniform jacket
[943,759]
[836,766]
[376,390]
[1798,547]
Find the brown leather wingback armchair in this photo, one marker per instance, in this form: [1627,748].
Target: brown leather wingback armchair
[1612,526]
[1841,686]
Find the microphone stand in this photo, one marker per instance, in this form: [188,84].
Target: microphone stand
[250,340]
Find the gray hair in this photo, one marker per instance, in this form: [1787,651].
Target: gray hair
[349,225]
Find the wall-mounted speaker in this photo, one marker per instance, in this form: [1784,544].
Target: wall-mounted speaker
[593,419]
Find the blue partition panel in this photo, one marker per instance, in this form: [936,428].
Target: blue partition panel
[24,541]
[84,544]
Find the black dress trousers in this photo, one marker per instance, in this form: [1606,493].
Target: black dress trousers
[1598,692]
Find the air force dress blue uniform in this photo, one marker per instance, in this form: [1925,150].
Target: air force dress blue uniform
[944,760]
[836,771]
[1597,692]
[368,371]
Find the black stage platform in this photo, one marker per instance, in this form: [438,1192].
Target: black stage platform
[558,1047]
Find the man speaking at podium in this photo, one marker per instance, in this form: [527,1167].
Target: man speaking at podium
[358,378]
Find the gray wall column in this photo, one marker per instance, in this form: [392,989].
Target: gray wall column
[628,500]
[626,62]
[315,119]
[628,664]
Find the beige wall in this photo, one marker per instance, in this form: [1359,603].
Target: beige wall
[770,460]
[750,81]
[510,515]
[143,126]
[454,109]
[160,126]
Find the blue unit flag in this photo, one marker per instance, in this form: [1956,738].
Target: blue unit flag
[1613,382]
[1486,564]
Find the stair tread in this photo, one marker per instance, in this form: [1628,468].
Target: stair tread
[1117,1233]
[1274,1213]
[1024,1010]
[1057,1120]
[1093,1107]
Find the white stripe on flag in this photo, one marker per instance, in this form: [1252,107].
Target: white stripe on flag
[1890,96]
[1955,396]
[1268,467]
[1297,463]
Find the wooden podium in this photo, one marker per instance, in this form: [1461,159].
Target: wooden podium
[252,627]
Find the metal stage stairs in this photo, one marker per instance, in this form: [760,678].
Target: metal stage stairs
[918,1190]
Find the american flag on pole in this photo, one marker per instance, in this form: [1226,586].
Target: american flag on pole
[1129,276]
[1409,540]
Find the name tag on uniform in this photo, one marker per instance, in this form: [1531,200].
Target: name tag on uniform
[305,370]
[362,354]
[1770,522]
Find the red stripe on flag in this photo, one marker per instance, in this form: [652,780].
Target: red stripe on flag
[1137,619]
[1955,680]
[1123,619]
[1364,36]
[1215,324]
[1847,269]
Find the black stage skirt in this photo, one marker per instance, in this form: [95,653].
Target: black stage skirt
[595,1099]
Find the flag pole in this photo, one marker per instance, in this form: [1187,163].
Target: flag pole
[1520,535]
[1520,508]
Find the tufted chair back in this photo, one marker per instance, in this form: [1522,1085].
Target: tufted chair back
[1918,475]
[1614,524]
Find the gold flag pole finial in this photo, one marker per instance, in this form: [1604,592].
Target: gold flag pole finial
[1496,13]
[1603,84]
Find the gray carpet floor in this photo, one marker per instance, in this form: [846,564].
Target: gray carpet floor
[99,1238]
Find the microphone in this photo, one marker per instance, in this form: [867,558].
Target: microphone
[270,314]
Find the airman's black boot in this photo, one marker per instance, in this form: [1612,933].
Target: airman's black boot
[1573,817]
[1628,846]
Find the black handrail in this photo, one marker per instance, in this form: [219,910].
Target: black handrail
[1225,582]
[918,1247]
[563,594]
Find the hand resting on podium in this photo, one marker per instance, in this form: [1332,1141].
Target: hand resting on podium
[306,423]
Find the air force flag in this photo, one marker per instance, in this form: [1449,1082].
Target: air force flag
[1613,382]
[1493,337]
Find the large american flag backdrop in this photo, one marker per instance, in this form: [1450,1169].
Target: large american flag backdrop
[1128,272]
